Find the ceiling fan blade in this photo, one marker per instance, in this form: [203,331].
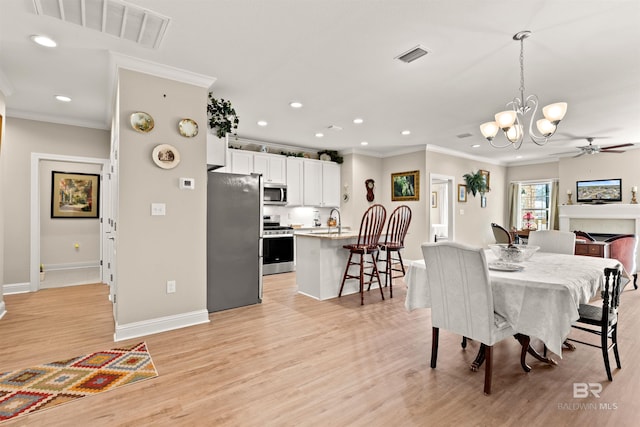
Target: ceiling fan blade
[581,154]
[608,147]
[612,151]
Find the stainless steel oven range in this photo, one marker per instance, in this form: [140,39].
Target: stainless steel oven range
[277,246]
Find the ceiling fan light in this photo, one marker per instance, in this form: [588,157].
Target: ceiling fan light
[545,127]
[506,119]
[489,130]
[555,112]
[514,133]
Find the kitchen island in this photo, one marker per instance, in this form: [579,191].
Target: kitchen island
[320,264]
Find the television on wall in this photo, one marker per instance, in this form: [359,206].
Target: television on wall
[599,191]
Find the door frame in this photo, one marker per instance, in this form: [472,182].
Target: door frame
[36,158]
[451,193]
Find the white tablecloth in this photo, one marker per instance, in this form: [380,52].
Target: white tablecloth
[540,301]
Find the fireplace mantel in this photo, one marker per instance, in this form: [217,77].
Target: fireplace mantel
[611,218]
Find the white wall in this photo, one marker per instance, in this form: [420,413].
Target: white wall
[23,137]
[154,249]
[472,222]
[58,236]
[2,157]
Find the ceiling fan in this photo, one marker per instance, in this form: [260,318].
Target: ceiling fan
[594,149]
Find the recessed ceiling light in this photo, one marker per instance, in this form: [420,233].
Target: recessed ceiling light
[262,123]
[406,132]
[358,120]
[319,135]
[295,104]
[364,143]
[63,98]
[475,146]
[43,41]
[518,157]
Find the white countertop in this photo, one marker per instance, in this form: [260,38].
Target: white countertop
[324,234]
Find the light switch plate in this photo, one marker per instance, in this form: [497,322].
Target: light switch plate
[158,209]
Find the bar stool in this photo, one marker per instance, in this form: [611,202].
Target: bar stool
[370,230]
[394,241]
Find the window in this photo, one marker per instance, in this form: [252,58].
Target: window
[534,205]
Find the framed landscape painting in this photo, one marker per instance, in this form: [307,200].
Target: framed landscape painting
[405,186]
[74,195]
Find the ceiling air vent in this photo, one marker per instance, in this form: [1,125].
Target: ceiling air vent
[114,17]
[412,54]
[463,135]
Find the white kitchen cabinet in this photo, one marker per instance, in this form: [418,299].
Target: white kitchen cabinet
[330,185]
[271,166]
[216,151]
[241,161]
[295,178]
[321,186]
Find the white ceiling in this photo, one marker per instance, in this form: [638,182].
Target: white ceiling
[337,58]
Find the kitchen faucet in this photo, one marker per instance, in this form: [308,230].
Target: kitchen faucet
[336,210]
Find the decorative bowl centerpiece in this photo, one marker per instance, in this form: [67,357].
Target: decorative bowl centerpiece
[513,253]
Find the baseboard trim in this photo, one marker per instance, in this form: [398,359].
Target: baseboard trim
[16,288]
[160,324]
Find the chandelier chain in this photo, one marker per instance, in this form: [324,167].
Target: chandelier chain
[522,69]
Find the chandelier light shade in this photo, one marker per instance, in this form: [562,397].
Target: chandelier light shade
[523,110]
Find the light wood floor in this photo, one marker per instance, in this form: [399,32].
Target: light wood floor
[294,361]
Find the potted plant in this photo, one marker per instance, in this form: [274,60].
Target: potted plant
[476,183]
[222,116]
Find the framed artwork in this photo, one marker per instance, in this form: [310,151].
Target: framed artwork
[462,193]
[483,201]
[405,186]
[74,195]
[486,176]
[434,199]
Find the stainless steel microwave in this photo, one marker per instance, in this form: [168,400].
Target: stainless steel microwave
[275,194]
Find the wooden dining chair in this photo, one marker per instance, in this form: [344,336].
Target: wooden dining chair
[623,247]
[370,230]
[584,236]
[559,242]
[501,234]
[461,299]
[397,228]
[603,320]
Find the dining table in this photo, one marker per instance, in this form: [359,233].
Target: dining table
[538,297]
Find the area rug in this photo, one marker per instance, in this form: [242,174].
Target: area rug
[44,386]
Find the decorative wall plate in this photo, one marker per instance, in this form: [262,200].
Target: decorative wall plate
[188,128]
[166,156]
[142,122]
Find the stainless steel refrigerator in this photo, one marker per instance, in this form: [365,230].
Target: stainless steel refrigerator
[234,240]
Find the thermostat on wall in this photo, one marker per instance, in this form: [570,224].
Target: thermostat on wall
[187,183]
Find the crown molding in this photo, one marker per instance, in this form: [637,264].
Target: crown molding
[62,120]
[454,153]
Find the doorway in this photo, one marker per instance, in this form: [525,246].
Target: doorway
[441,218]
[36,209]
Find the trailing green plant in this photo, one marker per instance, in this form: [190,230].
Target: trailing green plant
[476,183]
[222,116]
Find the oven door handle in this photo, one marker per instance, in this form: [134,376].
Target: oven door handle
[273,236]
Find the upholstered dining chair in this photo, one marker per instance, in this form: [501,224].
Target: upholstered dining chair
[367,244]
[461,299]
[501,234]
[559,242]
[397,228]
[623,247]
[603,320]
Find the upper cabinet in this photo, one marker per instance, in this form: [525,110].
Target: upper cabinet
[321,183]
[241,162]
[271,166]
[295,178]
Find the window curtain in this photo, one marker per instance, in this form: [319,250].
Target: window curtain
[554,219]
[512,201]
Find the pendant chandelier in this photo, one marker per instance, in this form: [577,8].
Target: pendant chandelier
[512,122]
